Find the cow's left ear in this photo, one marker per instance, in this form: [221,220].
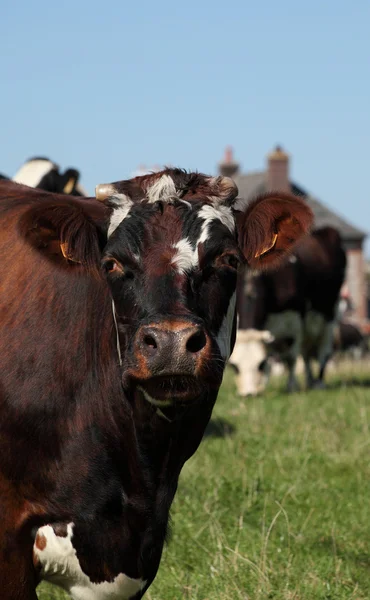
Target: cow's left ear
[270,226]
[63,233]
[68,181]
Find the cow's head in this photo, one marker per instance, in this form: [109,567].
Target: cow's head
[250,360]
[174,243]
[171,245]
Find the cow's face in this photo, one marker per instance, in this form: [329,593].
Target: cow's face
[250,360]
[174,243]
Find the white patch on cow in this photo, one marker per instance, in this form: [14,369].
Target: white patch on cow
[60,565]
[33,171]
[251,350]
[186,258]
[163,189]
[248,355]
[154,401]
[210,213]
[120,211]
[254,335]
[223,337]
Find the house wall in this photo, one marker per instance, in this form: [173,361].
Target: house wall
[356,282]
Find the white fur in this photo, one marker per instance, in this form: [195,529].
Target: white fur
[120,212]
[163,189]
[210,213]
[186,258]
[60,565]
[251,350]
[33,171]
[223,337]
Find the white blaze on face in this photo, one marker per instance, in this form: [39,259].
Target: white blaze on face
[60,565]
[32,172]
[120,212]
[186,256]
[249,353]
[223,337]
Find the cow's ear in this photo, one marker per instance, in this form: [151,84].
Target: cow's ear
[68,181]
[270,226]
[63,233]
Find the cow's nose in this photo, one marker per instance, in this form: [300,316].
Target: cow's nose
[189,340]
[176,349]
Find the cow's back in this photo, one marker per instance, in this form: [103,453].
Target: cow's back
[322,263]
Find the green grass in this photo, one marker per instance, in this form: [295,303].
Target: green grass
[276,502]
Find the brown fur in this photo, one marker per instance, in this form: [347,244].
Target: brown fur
[273,213]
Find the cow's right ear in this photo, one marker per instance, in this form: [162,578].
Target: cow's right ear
[63,233]
[270,226]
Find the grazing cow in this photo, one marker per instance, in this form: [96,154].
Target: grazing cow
[117,318]
[44,174]
[289,312]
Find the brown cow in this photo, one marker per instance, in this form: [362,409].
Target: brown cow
[291,312]
[117,318]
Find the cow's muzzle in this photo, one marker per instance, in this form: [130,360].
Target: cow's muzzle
[170,359]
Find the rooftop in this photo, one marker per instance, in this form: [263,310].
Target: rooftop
[254,183]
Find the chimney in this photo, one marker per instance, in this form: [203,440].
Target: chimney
[278,171]
[228,166]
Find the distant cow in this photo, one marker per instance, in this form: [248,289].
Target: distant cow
[117,319]
[348,338]
[296,305]
[44,174]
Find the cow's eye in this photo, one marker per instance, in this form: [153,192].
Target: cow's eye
[228,260]
[113,267]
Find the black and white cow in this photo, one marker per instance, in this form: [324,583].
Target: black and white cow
[43,174]
[290,312]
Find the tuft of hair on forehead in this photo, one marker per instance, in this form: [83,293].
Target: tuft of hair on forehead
[172,184]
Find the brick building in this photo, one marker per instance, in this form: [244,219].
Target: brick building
[276,177]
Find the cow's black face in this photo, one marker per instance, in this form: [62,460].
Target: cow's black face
[172,268]
[174,242]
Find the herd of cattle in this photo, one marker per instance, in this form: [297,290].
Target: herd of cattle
[118,317]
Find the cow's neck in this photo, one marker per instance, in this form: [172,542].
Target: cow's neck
[166,444]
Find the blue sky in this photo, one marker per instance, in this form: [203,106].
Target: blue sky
[106,86]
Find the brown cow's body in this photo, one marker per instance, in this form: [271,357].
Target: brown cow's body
[298,306]
[116,322]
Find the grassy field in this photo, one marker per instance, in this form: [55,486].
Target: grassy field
[276,502]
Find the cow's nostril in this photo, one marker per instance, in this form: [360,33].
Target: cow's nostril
[196,342]
[150,342]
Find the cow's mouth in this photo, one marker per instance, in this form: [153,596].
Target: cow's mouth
[164,390]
